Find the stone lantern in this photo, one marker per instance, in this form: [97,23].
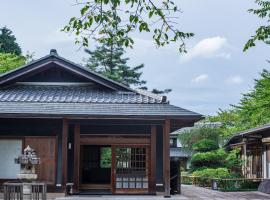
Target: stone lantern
[28,161]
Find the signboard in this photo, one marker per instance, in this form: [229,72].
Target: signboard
[266,140]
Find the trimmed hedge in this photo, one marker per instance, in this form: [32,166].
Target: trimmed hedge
[205,145]
[212,173]
[212,159]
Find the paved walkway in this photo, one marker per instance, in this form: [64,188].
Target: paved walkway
[192,192]
[188,193]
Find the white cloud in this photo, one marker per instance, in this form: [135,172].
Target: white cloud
[208,48]
[200,78]
[234,80]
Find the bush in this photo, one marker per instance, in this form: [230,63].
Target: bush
[191,136]
[233,161]
[205,145]
[213,159]
[212,173]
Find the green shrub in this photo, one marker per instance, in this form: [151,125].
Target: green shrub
[191,136]
[205,145]
[212,159]
[212,173]
[233,161]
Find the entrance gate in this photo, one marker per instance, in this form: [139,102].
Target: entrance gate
[129,170]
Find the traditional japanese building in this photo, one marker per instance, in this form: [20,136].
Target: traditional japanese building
[254,145]
[87,129]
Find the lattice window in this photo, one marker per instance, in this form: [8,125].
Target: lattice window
[132,168]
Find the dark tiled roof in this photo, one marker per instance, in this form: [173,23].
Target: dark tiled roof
[94,109]
[79,100]
[178,153]
[71,94]
[248,132]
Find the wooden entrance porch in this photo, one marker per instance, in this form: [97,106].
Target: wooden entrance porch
[133,155]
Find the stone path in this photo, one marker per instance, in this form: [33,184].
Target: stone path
[188,193]
[124,197]
[192,192]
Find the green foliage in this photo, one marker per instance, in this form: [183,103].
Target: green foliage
[192,136]
[107,60]
[8,42]
[211,159]
[205,145]
[10,61]
[212,173]
[263,32]
[105,157]
[229,119]
[233,162]
[252,111]
[165,91]
[110,21]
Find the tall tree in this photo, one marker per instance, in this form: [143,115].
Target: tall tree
[98,17]
[8,42]
[108,60]
[263,32]
[252,110]
[10,61]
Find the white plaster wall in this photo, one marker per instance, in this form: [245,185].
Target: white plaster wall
[9,150]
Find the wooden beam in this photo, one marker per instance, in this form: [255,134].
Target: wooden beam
[76,156]
[166,157]
[64,152]
[115,140]
[152,183]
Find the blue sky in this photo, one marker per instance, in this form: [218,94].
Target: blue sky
[212,75]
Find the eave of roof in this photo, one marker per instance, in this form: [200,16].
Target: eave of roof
[249,132]
[176,152]
[88,110]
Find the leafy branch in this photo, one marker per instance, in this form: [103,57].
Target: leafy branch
[114,21]
[263,32]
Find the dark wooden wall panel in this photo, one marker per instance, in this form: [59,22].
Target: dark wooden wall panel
[46,149]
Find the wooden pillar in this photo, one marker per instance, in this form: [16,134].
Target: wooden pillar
[245,159]
[152,183]
[113,169]
[166,157]
[179,176]
[64,152]
[76,171]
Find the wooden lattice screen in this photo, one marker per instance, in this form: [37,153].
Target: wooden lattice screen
[132,168]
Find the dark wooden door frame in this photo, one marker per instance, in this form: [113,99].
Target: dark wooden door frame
[89,186]
[113,142]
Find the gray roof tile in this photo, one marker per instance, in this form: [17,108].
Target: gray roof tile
[178,153]
[70,94]
[95,109]
[74,100]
